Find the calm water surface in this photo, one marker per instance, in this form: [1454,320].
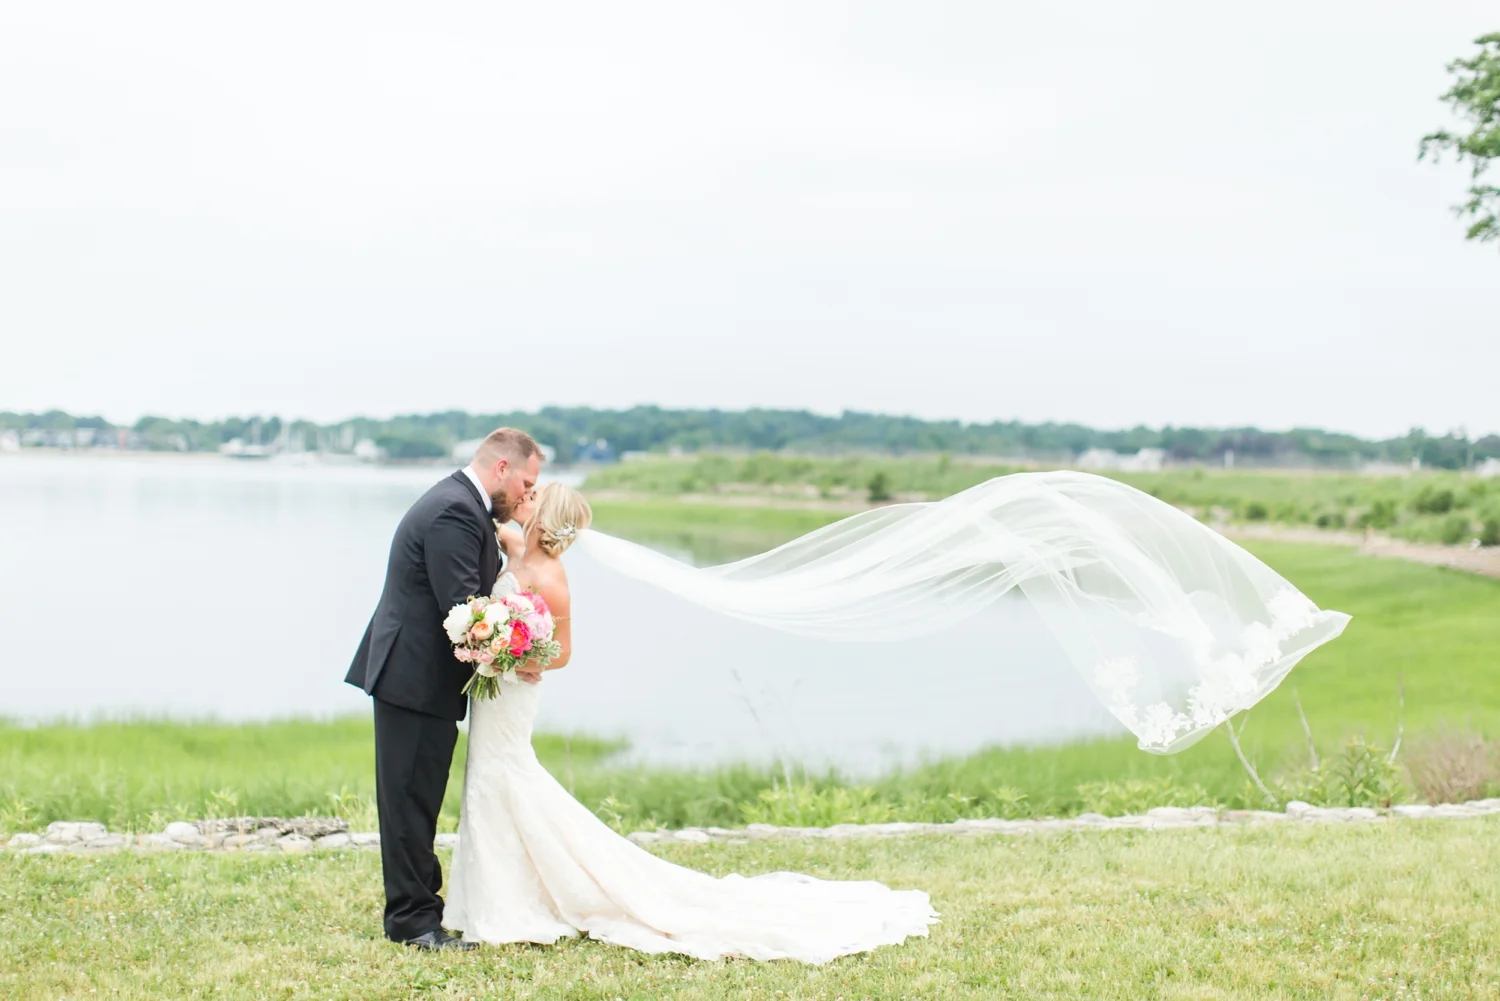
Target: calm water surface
[204,587]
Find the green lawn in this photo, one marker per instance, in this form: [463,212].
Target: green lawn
[1402,909]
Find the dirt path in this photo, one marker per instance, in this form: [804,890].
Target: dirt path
[1484,561]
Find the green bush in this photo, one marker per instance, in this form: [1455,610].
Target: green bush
[1456,529]
[880,487]
[1256,511]
[1359,775]
[1489,534]
[1434,500]
[1382,514]
[1330,519]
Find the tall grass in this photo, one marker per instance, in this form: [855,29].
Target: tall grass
[1428,507]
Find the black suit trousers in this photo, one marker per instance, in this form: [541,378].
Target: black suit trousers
[413,753]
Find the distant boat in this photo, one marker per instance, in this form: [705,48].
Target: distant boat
[235,448]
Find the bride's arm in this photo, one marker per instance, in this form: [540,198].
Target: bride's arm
[511,538]
[560,602]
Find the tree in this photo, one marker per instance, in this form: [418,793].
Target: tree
[1475,97]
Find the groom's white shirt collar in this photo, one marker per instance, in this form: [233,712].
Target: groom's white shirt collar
[484,494]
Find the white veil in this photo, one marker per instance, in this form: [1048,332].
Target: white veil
[1173,627]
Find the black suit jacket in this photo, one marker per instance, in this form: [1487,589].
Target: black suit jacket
[444,552]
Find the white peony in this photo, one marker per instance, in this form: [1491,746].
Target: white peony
[456,625]
[488,670]
[496,613]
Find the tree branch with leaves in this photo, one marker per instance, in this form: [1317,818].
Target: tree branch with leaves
[1475,97]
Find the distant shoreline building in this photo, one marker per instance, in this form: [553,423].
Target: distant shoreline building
[1147,460]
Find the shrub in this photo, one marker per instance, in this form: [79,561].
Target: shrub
[1330,519]
[1456,529]
[880,487]
[1489,534]
[1256,511]
[1453,767]
[1434,500]
[1382,514]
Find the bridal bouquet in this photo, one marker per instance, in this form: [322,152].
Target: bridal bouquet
[498,635]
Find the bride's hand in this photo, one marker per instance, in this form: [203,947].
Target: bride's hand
[530,677]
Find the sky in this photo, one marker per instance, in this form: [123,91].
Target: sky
[1114,214]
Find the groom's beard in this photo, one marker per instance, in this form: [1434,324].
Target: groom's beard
[502,511]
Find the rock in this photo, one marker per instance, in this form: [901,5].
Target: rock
[20,841]
[294,844]
[158,842]
[46,848]
[235,842]
[693,836]
[1487,805]
[62,832]
[109,843]
[643,837]
[318,827]
[762,830]
[449,841]
[1453,811]
[182,831]
[333,842]
[1296,808]
[1092,818]
[1362,813]
[1412,810]
[366,841]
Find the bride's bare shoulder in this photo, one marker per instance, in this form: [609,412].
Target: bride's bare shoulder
[551,580]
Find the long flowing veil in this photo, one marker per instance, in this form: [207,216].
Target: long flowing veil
[1173,627]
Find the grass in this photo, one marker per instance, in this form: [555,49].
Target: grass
[1437,629]
[1355,912]
[141,775]
[1437,507]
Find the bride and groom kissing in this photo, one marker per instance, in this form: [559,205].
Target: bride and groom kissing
[532,863]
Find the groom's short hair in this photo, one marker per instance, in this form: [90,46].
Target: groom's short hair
[506,443]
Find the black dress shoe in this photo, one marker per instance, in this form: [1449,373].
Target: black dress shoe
[439,940]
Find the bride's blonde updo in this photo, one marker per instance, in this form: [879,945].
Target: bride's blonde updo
[561,513]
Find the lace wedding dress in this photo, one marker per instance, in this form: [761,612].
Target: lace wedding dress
[534,865]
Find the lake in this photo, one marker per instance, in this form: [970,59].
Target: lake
[202,587]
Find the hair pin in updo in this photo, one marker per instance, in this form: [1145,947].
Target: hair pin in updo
[565,533]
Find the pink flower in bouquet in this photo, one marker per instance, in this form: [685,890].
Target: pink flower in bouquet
[484,657]
[464,654]
[497,646]
[477,605]
[482,630]
[520,638]
[541,605]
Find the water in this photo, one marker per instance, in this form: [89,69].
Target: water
[205,587]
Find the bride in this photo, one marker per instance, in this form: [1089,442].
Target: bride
[1172,627]
[535,865]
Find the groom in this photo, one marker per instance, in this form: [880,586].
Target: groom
[444,552]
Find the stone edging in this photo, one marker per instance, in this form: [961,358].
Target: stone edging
[269,834]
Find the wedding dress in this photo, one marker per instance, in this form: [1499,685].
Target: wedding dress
[535,865]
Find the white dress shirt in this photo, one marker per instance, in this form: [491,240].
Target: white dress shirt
[484,494]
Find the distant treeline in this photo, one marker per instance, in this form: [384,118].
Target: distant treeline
[572,430]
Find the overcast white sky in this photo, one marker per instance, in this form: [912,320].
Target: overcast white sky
[1106,212]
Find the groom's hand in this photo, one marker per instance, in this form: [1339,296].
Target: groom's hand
[530,677]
